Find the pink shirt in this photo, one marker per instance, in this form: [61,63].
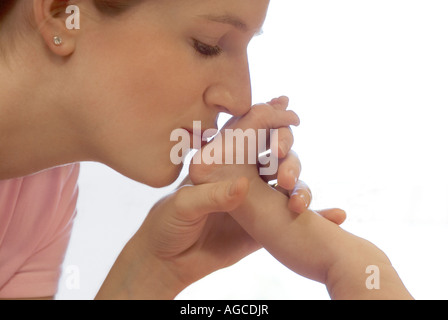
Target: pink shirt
[36,218]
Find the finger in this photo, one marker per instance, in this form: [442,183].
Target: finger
[337,216]
[273,143]
[300,198]
[193,202]
[280,103]
[285,142]
[289,170]
[264,116]
[280,142]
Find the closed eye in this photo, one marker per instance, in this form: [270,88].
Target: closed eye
[206,50]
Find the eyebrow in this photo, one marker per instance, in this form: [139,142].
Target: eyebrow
[229,19]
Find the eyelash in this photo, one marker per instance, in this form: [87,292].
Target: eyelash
[206,50]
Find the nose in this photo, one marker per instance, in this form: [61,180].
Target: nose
[231,92]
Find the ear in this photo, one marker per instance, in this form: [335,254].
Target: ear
[50,17]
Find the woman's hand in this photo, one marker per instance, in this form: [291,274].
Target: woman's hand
[192,233]
[186,236]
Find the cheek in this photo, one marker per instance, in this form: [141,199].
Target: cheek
[158,86]
[154,74]
[135,98]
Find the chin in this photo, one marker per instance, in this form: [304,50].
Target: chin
[155,172]
[160,177]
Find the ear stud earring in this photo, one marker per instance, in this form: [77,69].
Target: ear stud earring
[57,40]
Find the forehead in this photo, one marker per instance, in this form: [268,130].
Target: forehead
[246,15]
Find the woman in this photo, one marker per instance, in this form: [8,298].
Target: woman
[112,91]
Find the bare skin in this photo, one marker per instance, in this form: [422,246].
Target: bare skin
[105,95]
[190,233]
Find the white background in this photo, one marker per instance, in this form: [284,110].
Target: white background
[369,80]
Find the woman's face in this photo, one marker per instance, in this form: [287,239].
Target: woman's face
[156,68]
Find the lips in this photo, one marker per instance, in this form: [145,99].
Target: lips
[201,135]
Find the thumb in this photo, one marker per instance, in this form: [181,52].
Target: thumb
[194,202]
